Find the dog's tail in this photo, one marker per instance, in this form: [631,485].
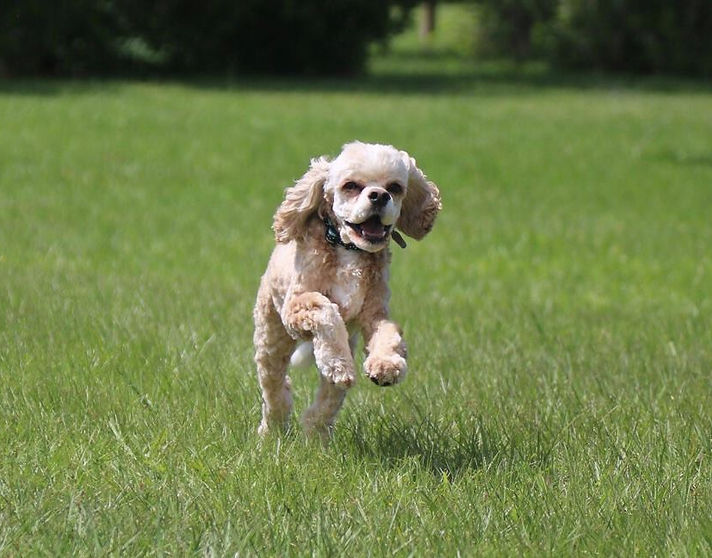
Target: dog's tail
[303,355]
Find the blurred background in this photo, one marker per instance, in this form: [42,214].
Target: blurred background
[81,38]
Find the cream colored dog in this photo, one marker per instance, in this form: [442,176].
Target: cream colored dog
[327,277]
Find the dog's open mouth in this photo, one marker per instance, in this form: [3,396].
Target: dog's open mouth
[371,229]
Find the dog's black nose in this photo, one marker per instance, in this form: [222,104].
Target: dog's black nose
[379,198]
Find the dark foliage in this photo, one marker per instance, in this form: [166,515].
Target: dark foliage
[641,36]
[635,35]
[255,36]
[509,26]
[63,37]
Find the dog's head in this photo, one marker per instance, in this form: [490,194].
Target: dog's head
[365,192]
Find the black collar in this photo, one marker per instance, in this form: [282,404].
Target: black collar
[334,238]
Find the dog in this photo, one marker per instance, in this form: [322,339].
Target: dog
[327,278]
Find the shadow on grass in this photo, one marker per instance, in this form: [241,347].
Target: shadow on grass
[402,73]
[447,449]
[681,158]
[47,87]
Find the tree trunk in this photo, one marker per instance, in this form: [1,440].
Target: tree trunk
[427,23]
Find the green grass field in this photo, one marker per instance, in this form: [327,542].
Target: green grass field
[558,317]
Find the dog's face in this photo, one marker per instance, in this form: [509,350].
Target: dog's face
[367,184]
[366,192]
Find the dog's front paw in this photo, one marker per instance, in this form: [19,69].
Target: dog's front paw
[385,370]
[340,373]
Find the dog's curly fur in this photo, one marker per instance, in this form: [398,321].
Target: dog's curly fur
[322,293]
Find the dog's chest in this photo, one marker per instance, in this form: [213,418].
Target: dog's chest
[350,285]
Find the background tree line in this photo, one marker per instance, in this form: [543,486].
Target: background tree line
[81,37]
[88,37]
[641,36]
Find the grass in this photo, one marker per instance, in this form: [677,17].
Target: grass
[561,342]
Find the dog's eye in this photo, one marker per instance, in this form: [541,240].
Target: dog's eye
[394,189]
[352,187]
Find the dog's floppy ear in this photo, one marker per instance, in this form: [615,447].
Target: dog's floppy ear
[421,204]
[301,201]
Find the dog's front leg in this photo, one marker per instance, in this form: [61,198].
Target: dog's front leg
[312,315]
[385,364]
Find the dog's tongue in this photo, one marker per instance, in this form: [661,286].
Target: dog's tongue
[373,227]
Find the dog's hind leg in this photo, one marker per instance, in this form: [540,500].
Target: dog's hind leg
[318,419]
[273,347]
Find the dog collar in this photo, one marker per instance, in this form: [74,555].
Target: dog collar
[334,238]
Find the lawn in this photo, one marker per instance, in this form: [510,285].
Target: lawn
[558,318]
